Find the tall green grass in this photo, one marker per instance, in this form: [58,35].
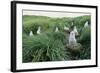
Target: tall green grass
[50,45]
[43,47]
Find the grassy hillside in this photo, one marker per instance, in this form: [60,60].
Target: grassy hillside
[50,45]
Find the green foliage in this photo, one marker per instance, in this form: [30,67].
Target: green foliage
[80,21]
[43,48]
[85,53]
[85,37]
[85,40]
[50,45]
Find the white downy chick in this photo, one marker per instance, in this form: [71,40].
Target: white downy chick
[31,33]
[56,30]
[72,39]
[75,30]
[39,30]
[72,24]
[86,24]
[66,28]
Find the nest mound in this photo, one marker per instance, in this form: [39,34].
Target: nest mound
[74,48]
